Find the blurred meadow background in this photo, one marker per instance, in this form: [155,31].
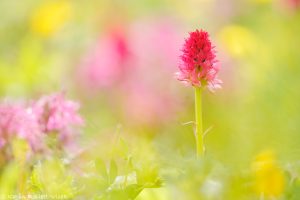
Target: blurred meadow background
[117,59]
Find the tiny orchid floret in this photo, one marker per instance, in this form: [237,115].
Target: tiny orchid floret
[198,62]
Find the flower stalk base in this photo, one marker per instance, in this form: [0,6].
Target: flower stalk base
[198,122]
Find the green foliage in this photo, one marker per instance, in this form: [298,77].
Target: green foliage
[9,179]
[51,178]
[258,48]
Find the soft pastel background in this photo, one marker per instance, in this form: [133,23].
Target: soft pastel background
[118,59]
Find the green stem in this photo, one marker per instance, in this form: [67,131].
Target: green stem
[198,119]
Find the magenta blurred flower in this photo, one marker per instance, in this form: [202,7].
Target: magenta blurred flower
[138,63]
[107,62]
[294,4]
[198,66]
[17,121]
[122,55]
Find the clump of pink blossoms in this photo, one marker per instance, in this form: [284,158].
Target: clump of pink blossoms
[56,114]
[49,114]
[198,62]
[107,63]
[18,121]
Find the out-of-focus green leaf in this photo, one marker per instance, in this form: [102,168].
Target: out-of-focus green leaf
[113,171]
[123,147]
[51,178]
[9,179]
[35,184]
[102,170]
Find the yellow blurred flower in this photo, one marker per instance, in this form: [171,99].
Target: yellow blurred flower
[269,178]
[238,40]
[50,17]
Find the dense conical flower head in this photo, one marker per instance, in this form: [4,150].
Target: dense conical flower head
[198,62]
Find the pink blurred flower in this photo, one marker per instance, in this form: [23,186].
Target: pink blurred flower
[198,67]
[156,47]
[17,121]
[121,55]
[56,114]
[145,105]
[148,86]
[107,62]
[138,63]
[294,4]
[50,114]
